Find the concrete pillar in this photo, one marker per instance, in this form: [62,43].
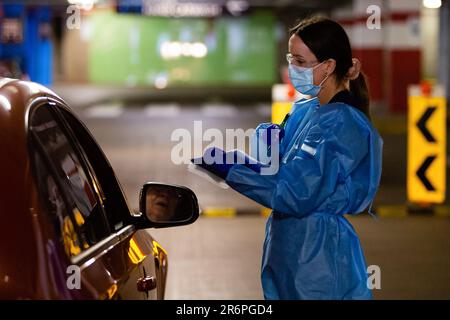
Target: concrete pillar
[366,40]
[368,44]
[404,52]
[429,26]
[444,48]
[391,53]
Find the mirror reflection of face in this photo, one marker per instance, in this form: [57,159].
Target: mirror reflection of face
[161,203]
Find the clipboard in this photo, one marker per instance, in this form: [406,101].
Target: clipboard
[207,175]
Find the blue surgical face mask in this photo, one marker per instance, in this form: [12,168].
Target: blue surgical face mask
[303,80]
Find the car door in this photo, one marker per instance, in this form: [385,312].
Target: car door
[116,262]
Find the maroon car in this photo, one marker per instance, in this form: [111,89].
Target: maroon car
[68,232]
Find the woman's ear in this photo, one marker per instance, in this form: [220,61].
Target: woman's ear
[330,66]
[354,70]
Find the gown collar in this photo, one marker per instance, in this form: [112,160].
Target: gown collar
[344,96]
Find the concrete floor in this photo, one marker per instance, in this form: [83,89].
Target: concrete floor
[220,258]
[215,258]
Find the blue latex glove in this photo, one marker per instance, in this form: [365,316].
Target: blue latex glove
[219,162]
[276,129]
[261,143]
[219,167]
[278,133]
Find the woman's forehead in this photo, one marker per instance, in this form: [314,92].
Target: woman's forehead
[298,48]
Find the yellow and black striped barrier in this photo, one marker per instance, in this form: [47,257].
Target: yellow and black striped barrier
[222,212]
[382,211]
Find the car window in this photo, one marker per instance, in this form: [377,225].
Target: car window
[70,169]
[60,217]
[116,207]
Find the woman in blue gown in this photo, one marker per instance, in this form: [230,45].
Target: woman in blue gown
[329,166]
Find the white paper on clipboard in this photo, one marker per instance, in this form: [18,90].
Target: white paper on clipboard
[205,174]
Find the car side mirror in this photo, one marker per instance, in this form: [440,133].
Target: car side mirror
[163,205]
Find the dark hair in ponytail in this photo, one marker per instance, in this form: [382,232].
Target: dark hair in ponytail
[360,91]
[327,39]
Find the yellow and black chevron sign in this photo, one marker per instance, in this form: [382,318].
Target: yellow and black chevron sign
[426,146]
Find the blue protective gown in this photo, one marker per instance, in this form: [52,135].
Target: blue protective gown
[330,166]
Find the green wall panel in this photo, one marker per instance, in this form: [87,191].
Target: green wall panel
[126,49]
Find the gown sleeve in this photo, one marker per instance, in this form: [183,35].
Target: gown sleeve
[331,150]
